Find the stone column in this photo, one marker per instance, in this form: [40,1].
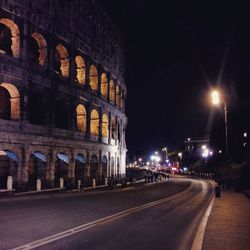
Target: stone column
[71,170]
[108,79]
[99,71]
[51,164]
[25,51]
[110,128]
[100,125]
[72,69]
[88,109]
[24,168]
[87,65]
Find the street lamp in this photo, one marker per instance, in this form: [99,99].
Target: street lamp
[180,156]
[216,100]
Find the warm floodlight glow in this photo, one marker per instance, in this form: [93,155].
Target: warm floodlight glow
[215,97]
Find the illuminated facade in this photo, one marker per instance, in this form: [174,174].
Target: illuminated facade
[62,94]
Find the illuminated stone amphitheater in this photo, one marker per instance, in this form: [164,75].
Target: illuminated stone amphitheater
[62,95]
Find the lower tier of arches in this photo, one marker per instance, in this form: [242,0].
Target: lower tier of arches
[27,162]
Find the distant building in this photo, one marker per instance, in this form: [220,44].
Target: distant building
[62,94]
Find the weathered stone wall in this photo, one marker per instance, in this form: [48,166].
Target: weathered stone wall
[80,29]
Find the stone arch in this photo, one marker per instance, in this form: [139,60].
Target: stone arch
[15,36]
[42,48]
[37,169]
[94,123]
[94,173]
[104,85]
[80,70]
[104,167]
[118,97]
[80,169]
[8,167]
[113,128]
[105,126]
[61,169]
[81,120]
[112,91]
[62,60]
[93,78]
[12,104]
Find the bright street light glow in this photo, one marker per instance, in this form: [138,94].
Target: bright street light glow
[215,97]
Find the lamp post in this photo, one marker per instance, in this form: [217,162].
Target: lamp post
[216,100]
[180,156]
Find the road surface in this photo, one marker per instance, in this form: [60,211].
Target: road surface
[154,216]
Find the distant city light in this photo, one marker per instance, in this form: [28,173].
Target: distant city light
[245,134]
[220,151]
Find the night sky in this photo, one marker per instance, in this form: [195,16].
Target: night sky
[174,53]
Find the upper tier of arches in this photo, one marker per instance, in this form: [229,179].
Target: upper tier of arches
[64,63]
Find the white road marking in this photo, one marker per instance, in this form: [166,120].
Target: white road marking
[198,239]
[83,227]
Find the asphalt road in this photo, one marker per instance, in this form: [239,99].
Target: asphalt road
[154,216]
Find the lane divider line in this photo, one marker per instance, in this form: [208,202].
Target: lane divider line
[102,221]
[199,236]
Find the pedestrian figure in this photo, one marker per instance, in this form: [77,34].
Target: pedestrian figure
[168,176]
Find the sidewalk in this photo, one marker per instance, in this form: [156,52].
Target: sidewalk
[11,193]
[228,225]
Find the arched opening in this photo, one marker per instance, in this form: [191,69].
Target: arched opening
[9,102]
[5,111]
[113,128]
[104,168]
[80,170]
[118,96]
[33,50]
[61,169]
[39,49]
[81,118]
[9,38]
[5,40]
[37,108]
[93,78]
[37,169]
[105,126]
[8,167]
[94,173]
[94,123]
[62,61]
[112,167]
[80,70]
[104,85]
[112,91]
[62,114]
